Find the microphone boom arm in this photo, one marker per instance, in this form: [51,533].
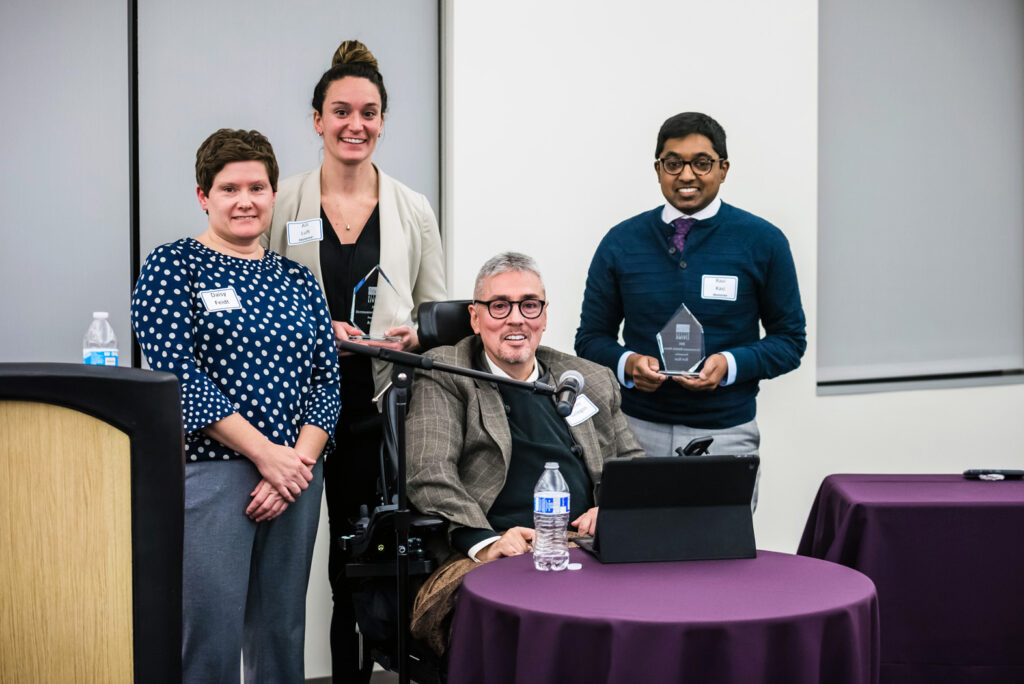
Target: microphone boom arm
[408,359]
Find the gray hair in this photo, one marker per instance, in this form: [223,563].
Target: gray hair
[503,263]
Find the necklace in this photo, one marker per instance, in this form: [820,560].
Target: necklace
[337,201]
[348,226]
[337,207]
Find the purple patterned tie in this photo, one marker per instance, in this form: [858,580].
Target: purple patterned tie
[682,226]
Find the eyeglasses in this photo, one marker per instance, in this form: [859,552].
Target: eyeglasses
[701,165]
[501,308]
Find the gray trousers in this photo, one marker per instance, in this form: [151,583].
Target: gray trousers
[661,439]
[244,583]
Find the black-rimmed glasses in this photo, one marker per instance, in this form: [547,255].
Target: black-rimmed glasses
[502,308]
[674,166]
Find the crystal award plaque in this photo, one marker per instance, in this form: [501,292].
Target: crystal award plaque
[364,295]
[681,344]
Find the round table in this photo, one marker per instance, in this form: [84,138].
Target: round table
[774,618]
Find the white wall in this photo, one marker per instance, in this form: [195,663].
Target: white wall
[553,110]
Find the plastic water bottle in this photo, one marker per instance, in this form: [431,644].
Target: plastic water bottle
[99,346]
[551,520]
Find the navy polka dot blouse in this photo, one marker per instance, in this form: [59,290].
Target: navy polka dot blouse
[251,336]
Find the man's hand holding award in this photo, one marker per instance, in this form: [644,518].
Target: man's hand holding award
[681,346]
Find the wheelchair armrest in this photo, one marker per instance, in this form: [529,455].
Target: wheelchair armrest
[420,520]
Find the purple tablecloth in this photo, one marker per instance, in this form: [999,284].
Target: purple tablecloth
[947,557]
[774,618]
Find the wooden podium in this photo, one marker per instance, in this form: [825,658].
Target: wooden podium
[91,513]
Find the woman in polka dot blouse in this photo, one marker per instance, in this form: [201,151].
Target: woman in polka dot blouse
[248,335]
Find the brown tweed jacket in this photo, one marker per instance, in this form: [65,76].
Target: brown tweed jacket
[458,440]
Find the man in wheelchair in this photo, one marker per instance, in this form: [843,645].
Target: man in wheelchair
[476,449]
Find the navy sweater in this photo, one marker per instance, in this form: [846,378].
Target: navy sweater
[636,276]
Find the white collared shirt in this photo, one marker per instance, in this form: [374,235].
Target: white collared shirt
[670,213]
[496,370]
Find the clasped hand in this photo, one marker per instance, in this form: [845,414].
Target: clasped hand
[286,473]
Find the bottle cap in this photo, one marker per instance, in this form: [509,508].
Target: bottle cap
[100,314]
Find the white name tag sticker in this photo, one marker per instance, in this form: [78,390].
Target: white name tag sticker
[225,299]
[582,410]
[301,232]
[719,287]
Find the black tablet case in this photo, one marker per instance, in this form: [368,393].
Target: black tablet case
[675,508]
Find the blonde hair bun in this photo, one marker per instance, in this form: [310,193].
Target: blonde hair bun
[353,52]
[352,58]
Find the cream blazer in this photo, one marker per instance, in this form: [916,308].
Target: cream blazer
[410,248]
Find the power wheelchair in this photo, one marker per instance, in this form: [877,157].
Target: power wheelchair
[388,555]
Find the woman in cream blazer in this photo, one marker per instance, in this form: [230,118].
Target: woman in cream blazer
[346,216]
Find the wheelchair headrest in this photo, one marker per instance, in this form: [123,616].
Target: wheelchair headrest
[442,323]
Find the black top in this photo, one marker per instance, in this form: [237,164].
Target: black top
[343,266]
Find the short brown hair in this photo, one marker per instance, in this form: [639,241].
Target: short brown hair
[228,145]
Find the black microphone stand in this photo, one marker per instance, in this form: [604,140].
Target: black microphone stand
[404,365]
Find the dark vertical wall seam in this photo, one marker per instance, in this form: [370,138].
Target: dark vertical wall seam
[133,156]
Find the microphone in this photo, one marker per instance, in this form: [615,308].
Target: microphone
[569,387]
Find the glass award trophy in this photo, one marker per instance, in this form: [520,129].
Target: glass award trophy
[681,344]
[364,295]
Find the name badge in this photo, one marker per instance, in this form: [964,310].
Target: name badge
[301,232]
[582,410]
[225,299]
[719,287]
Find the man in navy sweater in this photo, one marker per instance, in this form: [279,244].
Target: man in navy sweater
[732,269]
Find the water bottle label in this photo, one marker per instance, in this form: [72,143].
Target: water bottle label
[551,502]
[100,357]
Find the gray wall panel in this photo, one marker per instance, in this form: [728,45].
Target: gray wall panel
[207,65]
[921,165]
[64,123]
[257,70]
[202,66]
